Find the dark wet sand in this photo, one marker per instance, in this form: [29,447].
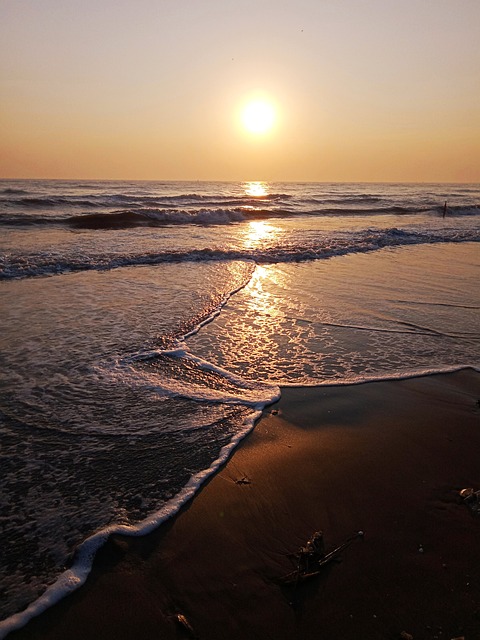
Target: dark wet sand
[387,458]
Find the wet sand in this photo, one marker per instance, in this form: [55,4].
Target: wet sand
[387,458]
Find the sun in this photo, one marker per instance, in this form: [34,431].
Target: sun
[258,116]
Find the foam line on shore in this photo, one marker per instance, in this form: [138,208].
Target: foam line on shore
[406,375]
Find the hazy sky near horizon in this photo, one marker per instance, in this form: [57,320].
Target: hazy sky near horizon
[363,90]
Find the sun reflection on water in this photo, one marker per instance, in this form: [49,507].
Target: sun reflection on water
[261,300]
[259,234]
[258,324]
[256,189]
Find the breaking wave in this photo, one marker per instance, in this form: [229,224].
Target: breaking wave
[44,264]
[125,205]
[156,217]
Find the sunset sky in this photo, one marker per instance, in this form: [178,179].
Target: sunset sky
[362,90]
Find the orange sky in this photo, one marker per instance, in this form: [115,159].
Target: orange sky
[377,90]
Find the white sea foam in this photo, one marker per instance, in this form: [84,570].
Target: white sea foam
[196,216]
[407,374]
[236,391]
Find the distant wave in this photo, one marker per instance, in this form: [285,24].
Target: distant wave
[155,216]
[392,209]
[106,200]
[145,217]
[48,203]
[125,205]
[13,192]
[473,210]
[346,198]
[42,264]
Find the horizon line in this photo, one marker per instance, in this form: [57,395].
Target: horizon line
[205,180]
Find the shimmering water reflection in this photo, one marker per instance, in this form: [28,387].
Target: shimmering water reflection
[256,189]
[352,318]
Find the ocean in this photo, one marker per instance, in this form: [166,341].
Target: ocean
[146,325]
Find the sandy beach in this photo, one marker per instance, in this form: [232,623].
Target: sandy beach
[386,458]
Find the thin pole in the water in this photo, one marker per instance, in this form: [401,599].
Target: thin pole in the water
[445,209]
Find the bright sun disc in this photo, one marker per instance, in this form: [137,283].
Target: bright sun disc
[258,116]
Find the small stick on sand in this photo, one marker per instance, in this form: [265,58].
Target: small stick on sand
[182,621]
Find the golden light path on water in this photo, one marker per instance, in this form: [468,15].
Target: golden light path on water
[259,233]
[256,335]
[256,189]
[257,328]
[262,300]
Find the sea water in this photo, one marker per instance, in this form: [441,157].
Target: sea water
[145,325]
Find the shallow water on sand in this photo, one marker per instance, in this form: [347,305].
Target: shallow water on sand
[89,436]
[352,318]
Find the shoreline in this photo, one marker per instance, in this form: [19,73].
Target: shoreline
[388,458]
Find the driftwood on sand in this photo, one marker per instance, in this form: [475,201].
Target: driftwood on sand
[312,558]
